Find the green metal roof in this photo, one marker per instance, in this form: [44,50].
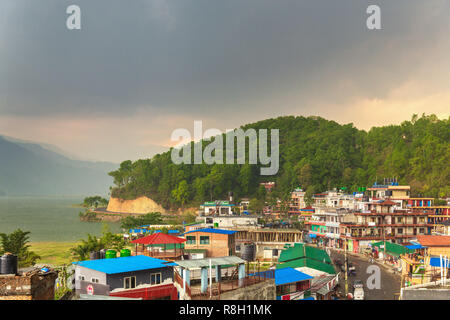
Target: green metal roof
[393,248]
[301,255]
[300,250]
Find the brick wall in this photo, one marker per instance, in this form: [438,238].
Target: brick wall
[33,287]
[219,244]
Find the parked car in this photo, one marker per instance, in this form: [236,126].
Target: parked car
[358,293]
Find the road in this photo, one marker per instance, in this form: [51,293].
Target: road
[390,283]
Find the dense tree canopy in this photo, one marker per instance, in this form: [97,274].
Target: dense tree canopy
[315,153]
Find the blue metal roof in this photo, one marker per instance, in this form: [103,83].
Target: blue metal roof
[289,275]
[415,246]
[211,230]
[123,264]
[284,276]
[436,262]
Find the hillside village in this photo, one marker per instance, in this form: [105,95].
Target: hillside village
[313,249]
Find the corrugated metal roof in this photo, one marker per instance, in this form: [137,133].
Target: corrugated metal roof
[434,241]
[289,275]
[392,248]
[123,264]
[301,255]
[300,250]
[199,263]
[211,230]
[159,238]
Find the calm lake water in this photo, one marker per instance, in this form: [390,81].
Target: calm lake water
[48,218]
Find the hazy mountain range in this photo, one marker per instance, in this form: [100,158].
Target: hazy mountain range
[29,168]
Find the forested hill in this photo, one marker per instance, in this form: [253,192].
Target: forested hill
[315,153]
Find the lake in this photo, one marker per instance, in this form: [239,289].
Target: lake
[48,218]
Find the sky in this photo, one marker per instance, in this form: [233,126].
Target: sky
[137,70]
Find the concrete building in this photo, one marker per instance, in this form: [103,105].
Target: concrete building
[234,221]
[134,277]
[216,208]
[215,242]
[324,225]
[382,222]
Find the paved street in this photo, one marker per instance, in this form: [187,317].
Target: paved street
[390,283]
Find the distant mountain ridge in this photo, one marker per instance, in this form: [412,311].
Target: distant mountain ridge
[28,168]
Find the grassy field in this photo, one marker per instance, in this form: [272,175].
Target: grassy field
[55,253]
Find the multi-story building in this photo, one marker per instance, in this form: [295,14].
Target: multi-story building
[383,221]
[335,199]
[297,200]
[324,225]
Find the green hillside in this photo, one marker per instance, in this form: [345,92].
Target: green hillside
[315,153]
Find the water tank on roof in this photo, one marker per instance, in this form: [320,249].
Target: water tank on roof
[125,253]
[110,254]
[94,255]
[8,264]
[248,251]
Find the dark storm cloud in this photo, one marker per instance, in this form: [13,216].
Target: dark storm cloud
[193,55]
[203,56]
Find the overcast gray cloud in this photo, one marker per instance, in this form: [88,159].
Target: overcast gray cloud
[226,62]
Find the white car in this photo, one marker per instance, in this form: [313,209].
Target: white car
[358,294]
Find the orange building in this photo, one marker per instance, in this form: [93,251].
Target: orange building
[215,242]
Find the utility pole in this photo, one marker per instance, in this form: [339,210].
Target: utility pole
[384,244]
[346,265]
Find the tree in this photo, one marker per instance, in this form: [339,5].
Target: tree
[17,244]
[149,218]
[256,205]
[181,194]
[82,251]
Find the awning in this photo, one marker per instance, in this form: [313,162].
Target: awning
[436,261]
[415,246]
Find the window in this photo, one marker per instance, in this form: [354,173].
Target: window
[400,231]
[190,240]
[204,239]
[129,282]
[422,230]
[81,278]
[94,280]
[155,278]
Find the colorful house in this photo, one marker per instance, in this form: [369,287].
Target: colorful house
[133,277]
[215,242]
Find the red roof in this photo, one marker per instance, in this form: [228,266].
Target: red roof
[159,238]
[434,241]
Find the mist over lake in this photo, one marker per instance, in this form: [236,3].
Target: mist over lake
[48,218]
